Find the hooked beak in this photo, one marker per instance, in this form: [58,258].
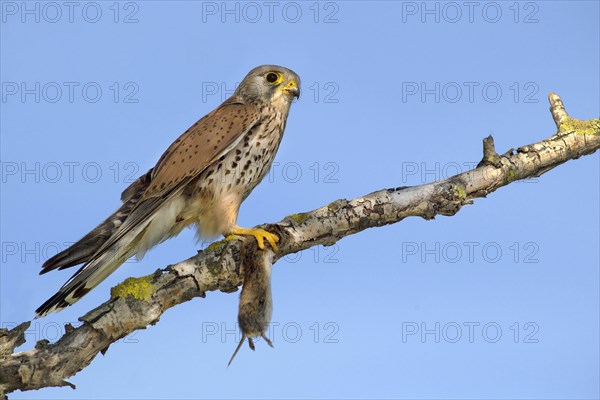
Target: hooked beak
[291,88]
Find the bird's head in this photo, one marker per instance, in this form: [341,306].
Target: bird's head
[270,83]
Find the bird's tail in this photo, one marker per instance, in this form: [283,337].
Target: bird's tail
[83,250]
[99,259]
[94,271]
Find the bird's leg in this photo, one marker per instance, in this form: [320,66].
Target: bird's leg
[267,339]
[259,234]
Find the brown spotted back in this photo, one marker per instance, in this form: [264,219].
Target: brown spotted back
[200,146]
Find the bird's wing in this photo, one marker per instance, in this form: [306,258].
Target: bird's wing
[82,251]
[137,188]
[200,146]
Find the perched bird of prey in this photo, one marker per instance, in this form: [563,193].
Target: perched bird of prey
[201,179]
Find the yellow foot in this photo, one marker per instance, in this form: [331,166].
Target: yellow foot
[259,234]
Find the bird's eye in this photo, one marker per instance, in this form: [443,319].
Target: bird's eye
[272,77]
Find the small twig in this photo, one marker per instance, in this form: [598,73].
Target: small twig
[557,109]
[10,339]
[490,157]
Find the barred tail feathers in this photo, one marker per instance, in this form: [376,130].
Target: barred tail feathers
[92,273]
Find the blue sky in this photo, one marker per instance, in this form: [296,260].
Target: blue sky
[499,301]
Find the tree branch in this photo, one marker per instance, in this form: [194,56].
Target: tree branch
[217,267]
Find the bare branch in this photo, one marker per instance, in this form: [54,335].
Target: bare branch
[217,267]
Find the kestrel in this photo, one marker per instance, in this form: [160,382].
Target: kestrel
[201,179]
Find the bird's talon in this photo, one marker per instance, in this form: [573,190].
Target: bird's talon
[260,235]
